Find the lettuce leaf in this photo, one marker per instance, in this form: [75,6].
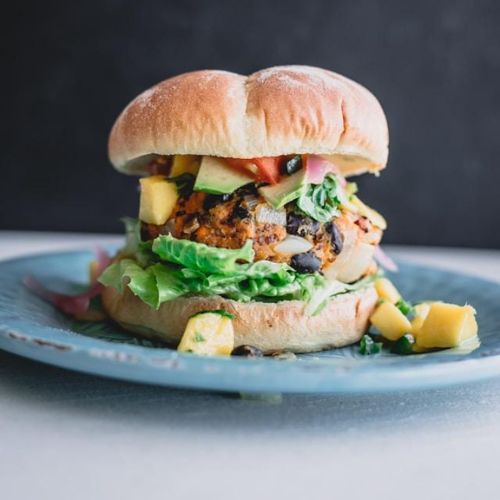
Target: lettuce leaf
[199,256]
[321,295]
[321,201]
[142,282]
[159,283]
[153,285]
[171,268]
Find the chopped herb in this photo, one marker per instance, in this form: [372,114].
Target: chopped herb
[368,346]
[404,345]
[405,307]
[198,337]
[321,202]
[222,312]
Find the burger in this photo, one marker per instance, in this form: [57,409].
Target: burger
[245,207]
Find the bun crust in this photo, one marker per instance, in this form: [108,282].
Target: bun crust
[268,326]
[276,111]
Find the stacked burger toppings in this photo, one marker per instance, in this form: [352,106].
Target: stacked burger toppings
[271,229]
[245,207]
[249,240]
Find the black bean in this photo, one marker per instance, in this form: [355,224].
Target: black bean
[301,225]
[240,212]
[145,235]
[247,189]
[248,351]
[293,221]
[336,237]
[312,227]
[184,183]
[211,200]
[291,165]
[306,262]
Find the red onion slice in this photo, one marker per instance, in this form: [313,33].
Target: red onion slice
[384,260]
[69,304]
[317,167]
[75,305]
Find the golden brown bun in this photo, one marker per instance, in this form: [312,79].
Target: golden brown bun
[268,326]
[276,111]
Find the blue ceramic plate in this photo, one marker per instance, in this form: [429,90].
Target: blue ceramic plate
[34,329]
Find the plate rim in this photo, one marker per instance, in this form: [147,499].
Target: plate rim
[103,358]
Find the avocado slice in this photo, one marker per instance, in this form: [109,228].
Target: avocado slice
[217,177]
[288,189]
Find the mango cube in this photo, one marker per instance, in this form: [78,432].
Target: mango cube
[387,291]
[185,164]
[421,311]
[208,334]
[470,327]
[158,199]
[390,321]
[446,325]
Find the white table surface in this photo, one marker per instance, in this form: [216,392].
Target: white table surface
[65,435]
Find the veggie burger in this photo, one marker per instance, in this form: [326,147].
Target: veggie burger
[245,207]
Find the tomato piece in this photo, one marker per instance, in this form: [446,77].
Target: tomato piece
[269,168]
[242,165]
[266,169]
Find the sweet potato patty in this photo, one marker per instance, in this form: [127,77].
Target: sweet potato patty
[228,221]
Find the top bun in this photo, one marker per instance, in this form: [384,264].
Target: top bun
[276,111]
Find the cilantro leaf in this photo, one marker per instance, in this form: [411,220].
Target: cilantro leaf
[405,307]
[404,345]
[368,346]
[321,201]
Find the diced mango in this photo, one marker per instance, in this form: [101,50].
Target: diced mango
[387,291]
[208,334]
[446,325]
[390,321]
[470,327]
[185,164]
[158,198]
[372,215]
[421,311]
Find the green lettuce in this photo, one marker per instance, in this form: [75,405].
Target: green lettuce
[322,294]
[321,201]
[142,282]
[175,268]
[158,283]
[201,257]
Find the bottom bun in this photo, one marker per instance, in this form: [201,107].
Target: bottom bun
[268,326]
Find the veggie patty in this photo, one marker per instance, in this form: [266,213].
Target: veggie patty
[228,221]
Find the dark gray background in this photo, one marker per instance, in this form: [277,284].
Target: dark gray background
[68,68]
